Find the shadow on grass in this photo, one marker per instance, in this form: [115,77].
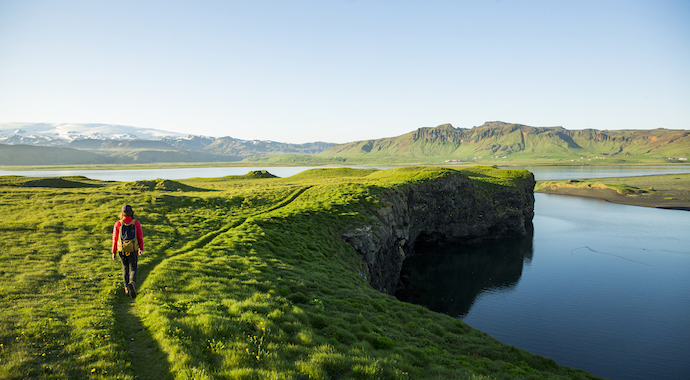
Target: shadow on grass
[148,360]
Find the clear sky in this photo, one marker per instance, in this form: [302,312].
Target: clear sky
[337,70]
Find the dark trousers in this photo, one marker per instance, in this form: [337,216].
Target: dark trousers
[129,267]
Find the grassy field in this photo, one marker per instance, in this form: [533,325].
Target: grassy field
[670,190]
[243,277]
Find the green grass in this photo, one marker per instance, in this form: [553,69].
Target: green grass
[638,185]
[243,277]
[669,187]
[620,188]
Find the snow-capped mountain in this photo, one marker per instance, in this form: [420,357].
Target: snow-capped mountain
[59,134]
[148,145]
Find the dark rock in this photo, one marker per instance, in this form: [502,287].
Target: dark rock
[450,209]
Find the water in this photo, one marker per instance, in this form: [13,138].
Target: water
[540,172]
[600,286]
[127,175]
[573,172]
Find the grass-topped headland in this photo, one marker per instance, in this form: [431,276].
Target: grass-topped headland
[243,277]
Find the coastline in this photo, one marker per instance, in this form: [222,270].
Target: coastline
[660,191]
[613,196]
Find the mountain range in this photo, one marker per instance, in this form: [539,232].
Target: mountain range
[107,143]
[47,134]
[46,144]
[501,139]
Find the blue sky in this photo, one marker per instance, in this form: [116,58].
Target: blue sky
[338,71]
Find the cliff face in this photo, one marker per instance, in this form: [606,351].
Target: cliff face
[450,209]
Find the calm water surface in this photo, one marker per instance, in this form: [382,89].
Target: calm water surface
[126,175]
[572,172]
[600,287]
[540,172]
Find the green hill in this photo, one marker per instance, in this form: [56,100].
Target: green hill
[123,154]
[43,155]
[518,141]
[243,148]
[243,277]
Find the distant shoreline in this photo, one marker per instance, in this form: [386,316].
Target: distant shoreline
[176,165]
[671,191]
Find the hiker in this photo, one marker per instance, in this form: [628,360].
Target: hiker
[128,243]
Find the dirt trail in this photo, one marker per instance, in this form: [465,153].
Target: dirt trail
[148,361]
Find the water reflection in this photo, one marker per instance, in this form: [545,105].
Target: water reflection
[605,289]
[448,279]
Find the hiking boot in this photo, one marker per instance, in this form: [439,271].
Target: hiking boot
[132,289]
[126,290]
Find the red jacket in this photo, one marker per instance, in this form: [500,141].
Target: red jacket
[116,233]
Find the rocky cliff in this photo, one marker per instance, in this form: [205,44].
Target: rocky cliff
[450,209]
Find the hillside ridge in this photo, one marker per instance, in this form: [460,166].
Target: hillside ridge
[494,139]
[503,139]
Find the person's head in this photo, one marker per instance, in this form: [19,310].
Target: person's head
[126,211]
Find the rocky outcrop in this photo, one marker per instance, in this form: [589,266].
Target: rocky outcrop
[450,209]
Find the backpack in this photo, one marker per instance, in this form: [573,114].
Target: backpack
[127,243]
